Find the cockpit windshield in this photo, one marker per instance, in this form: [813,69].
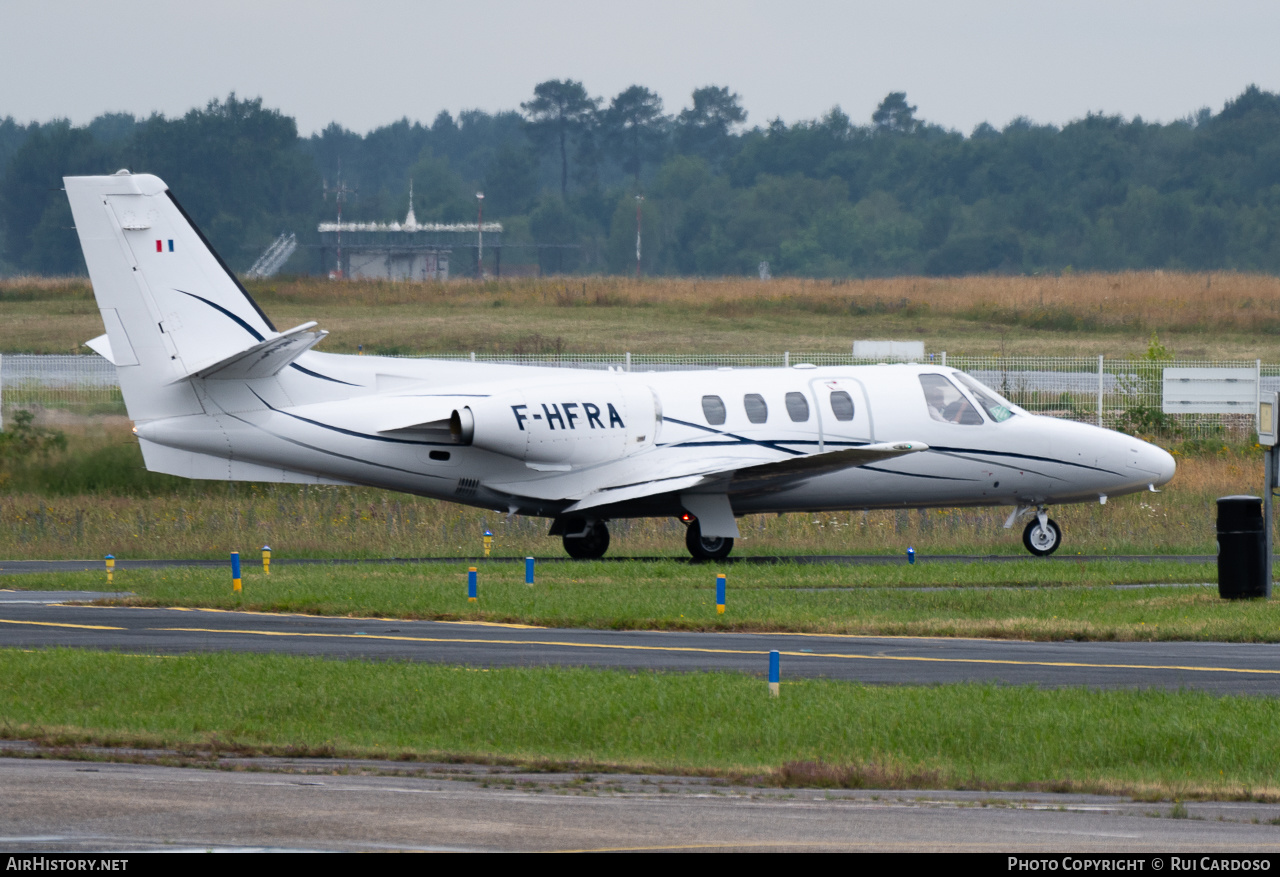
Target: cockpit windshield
[997,407]
[946,403]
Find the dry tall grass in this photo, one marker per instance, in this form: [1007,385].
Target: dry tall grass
[1223,313]
[1154,300]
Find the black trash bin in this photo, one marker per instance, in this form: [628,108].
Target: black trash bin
[1242,548]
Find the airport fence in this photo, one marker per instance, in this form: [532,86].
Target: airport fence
[77,385]
[1125,394]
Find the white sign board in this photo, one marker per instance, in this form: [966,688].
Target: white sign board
[1210,391]
[1268,419]
[910,350]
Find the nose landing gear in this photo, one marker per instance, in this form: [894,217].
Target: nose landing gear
[1042,535]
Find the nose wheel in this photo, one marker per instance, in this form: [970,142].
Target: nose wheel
[1042,536]
[706,547]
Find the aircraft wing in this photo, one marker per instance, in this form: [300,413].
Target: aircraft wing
[644,476]
[755,477]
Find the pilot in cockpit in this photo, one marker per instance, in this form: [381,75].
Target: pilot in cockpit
[946,403]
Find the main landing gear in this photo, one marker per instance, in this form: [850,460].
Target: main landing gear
[586,540]
[706,547]
[589,540]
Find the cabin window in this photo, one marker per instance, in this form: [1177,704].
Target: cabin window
[713,410]
[842,405]
[797,407]
[441,456]
[757,410]
[946,403]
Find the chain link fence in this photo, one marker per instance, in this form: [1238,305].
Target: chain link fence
[81,385]
[1125,394]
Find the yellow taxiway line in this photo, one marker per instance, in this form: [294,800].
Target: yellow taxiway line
[59,624]
[702,650]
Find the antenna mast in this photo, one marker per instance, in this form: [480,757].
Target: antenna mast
[340,191]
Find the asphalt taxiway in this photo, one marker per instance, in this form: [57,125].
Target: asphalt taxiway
[41,620]
[331,804]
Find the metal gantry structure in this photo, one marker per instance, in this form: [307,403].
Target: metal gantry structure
[273,259]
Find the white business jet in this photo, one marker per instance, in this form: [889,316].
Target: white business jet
[216,392]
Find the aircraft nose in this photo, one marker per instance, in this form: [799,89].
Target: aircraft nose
[1163,463]
[1158,462]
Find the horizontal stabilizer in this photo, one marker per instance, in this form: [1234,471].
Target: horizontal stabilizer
[261,360]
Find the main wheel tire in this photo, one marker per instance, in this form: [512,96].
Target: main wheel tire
[1042,541]
[708,547]
[590,546]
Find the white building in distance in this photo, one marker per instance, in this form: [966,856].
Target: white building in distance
[404,251]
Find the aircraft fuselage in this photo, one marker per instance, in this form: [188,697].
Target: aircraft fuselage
[586,421]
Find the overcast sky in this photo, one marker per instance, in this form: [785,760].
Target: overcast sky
[365,64]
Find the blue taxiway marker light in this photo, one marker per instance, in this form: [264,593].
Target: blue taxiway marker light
[266,560]
[774,672]
[235,571]
[528,570]
[720,594]
[111,567]
[488,541]
[471,585]
[911,554]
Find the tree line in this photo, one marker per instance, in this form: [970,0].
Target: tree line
[826,197]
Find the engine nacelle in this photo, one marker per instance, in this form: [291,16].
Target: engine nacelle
[570,424]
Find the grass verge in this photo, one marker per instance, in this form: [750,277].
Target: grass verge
[95,498]
[1031,599]
[819,732]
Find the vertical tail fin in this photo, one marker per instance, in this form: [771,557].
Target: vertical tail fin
[169,303]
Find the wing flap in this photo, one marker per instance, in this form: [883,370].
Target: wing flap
[823,463]
[611,495]
[643,476]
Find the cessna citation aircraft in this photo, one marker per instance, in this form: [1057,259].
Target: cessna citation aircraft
[217,392]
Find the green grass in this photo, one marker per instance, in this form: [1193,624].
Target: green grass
[1148,743]
[95,498]
[210,520]
[1037,600]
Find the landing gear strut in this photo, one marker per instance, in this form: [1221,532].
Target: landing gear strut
[1042,535]
[706,547]
[589,542]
